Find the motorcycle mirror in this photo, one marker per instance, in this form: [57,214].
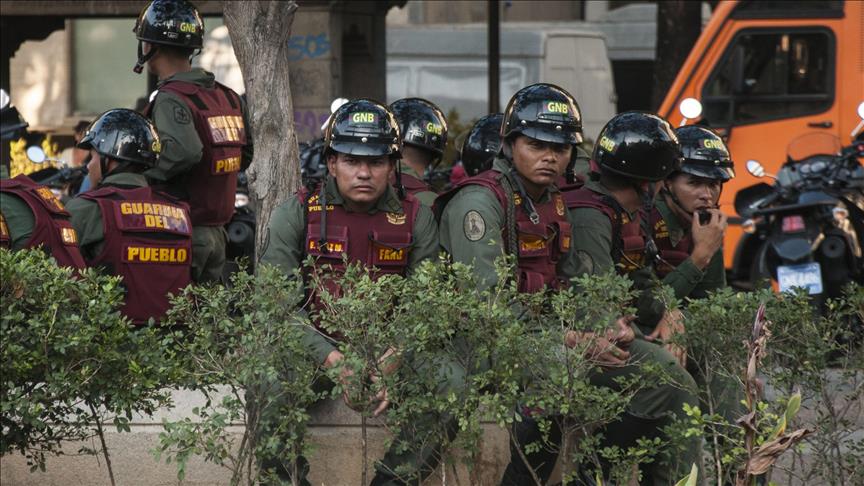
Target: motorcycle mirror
[755,168]
[4,99]
[861,110]
[36,154]
[690,108]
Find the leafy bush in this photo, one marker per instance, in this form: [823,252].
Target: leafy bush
[71,362]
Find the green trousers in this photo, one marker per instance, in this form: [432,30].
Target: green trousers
[208,253]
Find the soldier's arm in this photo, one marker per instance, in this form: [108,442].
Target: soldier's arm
[425,238]
[87,221]
[181,146]
[285,238]
[471,231]
[19,220]
[592,242]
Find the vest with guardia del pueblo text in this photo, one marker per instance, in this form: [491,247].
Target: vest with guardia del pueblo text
[539,244]
[211,185]
[628,242]
[148,242]
[51,228]
[381,241]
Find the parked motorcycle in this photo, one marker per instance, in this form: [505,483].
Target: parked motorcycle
[809,225]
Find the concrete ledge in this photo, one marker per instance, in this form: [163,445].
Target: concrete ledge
[335,433]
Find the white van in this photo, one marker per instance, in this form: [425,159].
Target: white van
[447,64]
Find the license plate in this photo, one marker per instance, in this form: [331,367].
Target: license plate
[807,276]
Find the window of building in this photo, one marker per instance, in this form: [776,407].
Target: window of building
[767,75]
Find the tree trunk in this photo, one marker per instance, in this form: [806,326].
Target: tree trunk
[679,23]
[259,33]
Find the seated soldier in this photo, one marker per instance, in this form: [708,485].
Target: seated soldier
[126,227]
[334,221]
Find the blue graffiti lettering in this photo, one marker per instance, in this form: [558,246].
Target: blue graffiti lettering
[309,46]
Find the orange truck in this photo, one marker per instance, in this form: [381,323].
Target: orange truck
[767,72]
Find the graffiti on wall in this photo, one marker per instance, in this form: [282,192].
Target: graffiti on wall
[309,46]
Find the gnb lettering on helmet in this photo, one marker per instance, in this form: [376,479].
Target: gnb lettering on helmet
[363,117]
[556,107]
[607,144]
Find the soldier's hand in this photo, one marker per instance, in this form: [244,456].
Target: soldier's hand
[599,349]
[707,238]
[621,334]
[670,324]
[381,397]
[345,378]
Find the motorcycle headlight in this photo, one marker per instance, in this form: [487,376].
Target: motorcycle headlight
[749,226]
[840,214]
[241,200]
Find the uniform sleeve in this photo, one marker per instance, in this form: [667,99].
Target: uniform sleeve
[19,219]
[592,242]
[284,249]
[87,221]
[425,238]
[713,278]
[181,146]
[471,231]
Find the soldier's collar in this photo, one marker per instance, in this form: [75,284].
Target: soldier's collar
[674,225]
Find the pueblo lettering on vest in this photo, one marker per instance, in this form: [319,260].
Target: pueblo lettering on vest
[49,197]
[150,215]
[332,246]
[154,254]
[68,236]
[223,166]
[4,229]
[226,128]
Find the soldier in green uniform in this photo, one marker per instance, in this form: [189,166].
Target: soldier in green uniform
[202,125]
[424,137]
[17,221]
[688,230]
[128,229]
[335,221]
[507,210]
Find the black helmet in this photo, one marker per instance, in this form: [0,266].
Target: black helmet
[482,144]
[313,166]
[170,22]
[639,146]
[12,124]
[422,124]
[362,127]
[123,135]
[544,112]
[705,154]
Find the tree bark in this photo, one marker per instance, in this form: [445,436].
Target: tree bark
[679,23]
[259,34]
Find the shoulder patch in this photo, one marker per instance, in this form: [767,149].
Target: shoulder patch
[181,115]
[474,225]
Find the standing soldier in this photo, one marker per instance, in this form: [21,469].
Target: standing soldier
[353,215]
[126,227]
[31,215]
[201,124]
[424,137]
[634,151]
[481,144]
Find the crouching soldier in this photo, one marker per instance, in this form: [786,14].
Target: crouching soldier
[125,227]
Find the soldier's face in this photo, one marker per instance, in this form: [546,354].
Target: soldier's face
[94,169]
[539,162]
[695,193]
[361,180]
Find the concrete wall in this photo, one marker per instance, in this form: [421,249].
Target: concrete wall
[335,434]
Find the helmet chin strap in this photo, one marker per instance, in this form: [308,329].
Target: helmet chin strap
[400,189]
[527,203]
[143,58]
[652,254]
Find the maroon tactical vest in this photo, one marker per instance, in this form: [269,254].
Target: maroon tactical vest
[538,246]
[51,226]
[670,255]
[628,243]
[381,241]
[148,242]
[212,183]
[413,185]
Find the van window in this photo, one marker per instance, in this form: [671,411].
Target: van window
[768,75]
